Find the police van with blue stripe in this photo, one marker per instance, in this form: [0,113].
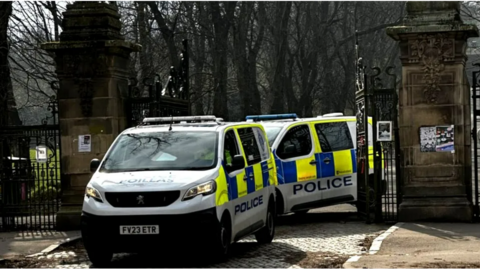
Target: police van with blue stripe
[315,158]
[180,181]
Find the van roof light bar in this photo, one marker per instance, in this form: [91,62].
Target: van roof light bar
[198,118]
[267,117]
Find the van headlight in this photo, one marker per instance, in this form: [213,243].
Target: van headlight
[202,189]
[92,192]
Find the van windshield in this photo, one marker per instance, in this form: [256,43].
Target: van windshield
[272,133]
[169,150]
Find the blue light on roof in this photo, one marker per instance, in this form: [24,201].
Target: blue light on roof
[271,117]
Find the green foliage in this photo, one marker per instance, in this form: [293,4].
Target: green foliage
[46,184]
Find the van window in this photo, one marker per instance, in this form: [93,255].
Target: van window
[334,136]
[250,146]
[298,137]
[230,148]
[262,143]
[272,133]
[154,151]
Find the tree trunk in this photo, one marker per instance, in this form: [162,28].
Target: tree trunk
[281,40]
[220,73]
[145,54]
[221,25]
[8,109]
[167,34]
[197,53]
[245,57]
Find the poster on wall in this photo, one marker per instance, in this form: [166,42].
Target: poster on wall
[84,143]
[384,131]
[437,139]
[445,139]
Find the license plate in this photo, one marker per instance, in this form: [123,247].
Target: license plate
[140,229]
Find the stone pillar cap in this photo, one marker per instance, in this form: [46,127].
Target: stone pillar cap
[424,12]
[432,17]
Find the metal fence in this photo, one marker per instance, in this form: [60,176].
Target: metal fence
[475,116]
[30,183]
[148,99]
[378,169]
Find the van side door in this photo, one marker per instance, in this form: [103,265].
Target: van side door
[256,155]
[296,162]
[337,162]
[235,180]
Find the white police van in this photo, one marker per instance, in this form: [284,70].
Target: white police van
[192,182]
[315,159]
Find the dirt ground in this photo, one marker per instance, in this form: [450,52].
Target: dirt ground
[367,242]
[311,260]
[317,260]
[22,262]
[43,262]
[448,265]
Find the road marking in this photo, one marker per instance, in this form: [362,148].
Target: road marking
[375,247]
[354,258]
[54,246]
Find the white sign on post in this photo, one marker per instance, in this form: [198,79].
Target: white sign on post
[41,154]
[85,143]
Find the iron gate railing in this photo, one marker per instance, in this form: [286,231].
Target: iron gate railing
[387,156]
[475,194]
[378,159]
[148,99]
[361,105]
[30,188]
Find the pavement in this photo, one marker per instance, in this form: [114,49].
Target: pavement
[425,245]
[323,238]
[330,237]
[14,244]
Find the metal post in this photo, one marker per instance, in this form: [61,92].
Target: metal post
[185,70]
[475,139]
[366,147]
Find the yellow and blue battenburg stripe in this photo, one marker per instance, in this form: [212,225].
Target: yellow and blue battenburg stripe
[258,177]
[295,171]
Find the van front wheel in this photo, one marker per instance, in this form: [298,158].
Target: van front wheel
[99,257]
[221,243]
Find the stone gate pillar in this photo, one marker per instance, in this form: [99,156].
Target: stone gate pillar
[91,64]
[434,97]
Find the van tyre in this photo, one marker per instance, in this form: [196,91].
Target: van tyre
[99,257]
[266,234]
[222,236]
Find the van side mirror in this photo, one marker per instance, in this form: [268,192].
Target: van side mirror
[94,164]
[238,162]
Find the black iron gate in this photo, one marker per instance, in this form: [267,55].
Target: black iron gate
[475,196]
[30,174]
[378,157]
[387,180]
[361,107]
[148,99]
